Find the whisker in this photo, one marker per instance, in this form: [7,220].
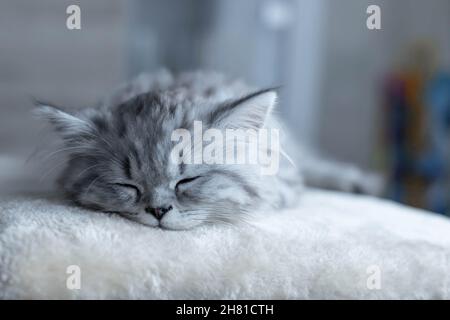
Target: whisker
[67,149]
[87,169]
[55,166]
[93,182]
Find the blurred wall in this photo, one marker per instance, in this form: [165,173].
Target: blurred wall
[41,58]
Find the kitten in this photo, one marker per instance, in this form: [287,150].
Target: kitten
[119,154]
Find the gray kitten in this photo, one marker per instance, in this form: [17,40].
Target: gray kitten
[119,154]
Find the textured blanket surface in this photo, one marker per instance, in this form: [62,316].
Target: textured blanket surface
[331,246]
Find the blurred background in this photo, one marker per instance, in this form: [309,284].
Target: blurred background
[376,98]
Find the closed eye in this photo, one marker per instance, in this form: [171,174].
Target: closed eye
[187,180]
[130,186]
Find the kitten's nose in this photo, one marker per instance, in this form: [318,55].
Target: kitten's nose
[159,212]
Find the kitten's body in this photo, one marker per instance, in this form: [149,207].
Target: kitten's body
[120,154]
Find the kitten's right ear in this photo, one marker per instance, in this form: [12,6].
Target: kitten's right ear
[64,123]
[251,111]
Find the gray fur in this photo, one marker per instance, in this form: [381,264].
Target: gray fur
[118,153]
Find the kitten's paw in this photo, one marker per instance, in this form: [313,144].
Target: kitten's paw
[359,182]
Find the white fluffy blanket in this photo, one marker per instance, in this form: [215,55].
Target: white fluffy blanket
[332,246]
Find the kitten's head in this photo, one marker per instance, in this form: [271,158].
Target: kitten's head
[120,160]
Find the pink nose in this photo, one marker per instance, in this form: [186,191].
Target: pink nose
[158,212]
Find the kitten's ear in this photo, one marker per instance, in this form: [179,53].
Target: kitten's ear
[250,111]
[64,123]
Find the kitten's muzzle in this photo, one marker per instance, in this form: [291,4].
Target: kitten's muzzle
[158,212]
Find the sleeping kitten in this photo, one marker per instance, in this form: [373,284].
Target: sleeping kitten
[119,154]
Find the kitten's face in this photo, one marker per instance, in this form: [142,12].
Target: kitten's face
[120,161]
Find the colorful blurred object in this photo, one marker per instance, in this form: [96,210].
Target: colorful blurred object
[417,132]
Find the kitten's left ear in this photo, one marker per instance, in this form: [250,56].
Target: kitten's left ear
[250,111]
[66,124]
